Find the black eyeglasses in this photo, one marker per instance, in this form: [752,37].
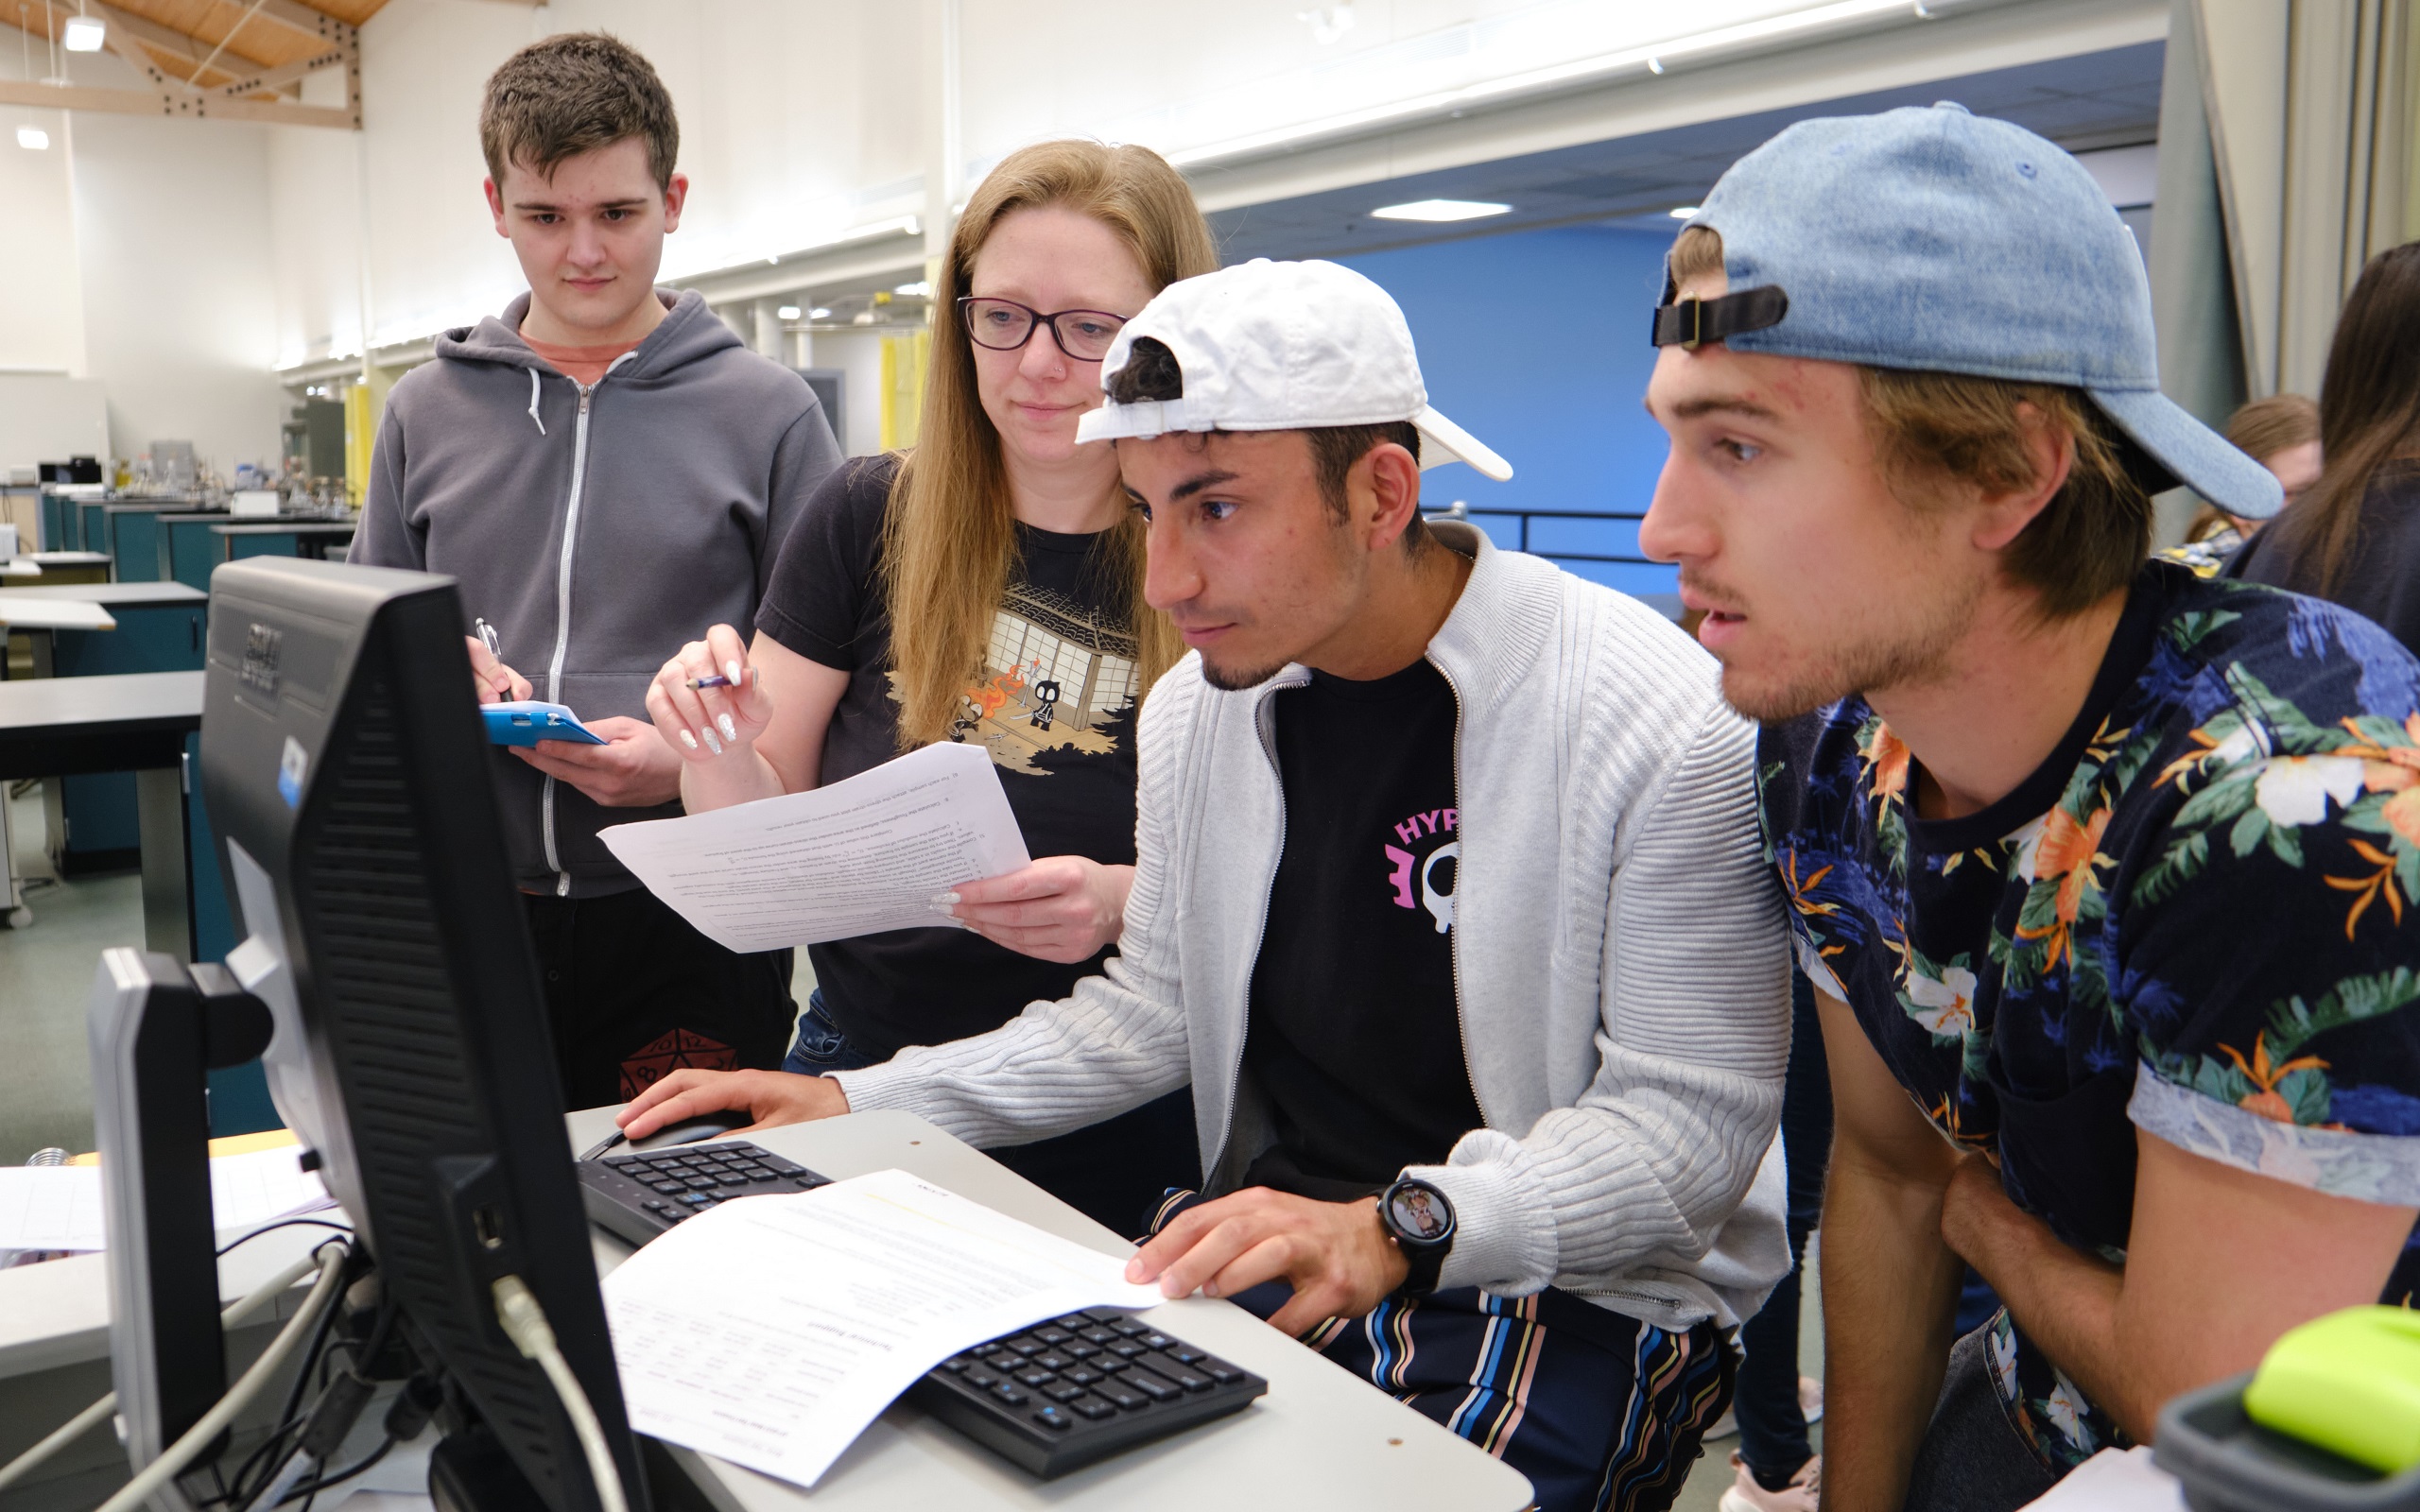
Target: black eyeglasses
[1004,325]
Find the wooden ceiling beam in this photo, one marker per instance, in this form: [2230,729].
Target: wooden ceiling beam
[304,22]
[277,77]
[169,59]
[198,107]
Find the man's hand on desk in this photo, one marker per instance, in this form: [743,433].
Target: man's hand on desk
[769,1098]
[1334,1255]
[634,769]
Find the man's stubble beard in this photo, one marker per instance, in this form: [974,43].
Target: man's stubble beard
[1226,682]
[1910,655]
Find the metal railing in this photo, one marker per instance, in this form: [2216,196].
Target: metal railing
[1461,509]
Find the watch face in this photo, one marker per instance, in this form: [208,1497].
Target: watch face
[1417,1211]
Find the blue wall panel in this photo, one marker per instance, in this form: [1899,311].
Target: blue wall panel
[1535,342]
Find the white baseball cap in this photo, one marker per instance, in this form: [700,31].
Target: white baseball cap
[1283,347]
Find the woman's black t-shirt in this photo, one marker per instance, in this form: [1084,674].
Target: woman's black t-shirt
[1054,702]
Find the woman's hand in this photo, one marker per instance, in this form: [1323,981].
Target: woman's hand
[1060,908]
[705,724]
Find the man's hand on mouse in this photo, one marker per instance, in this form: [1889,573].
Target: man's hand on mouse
[633,769]
[769,1098]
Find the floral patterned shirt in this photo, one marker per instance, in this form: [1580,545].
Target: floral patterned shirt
[2191,919]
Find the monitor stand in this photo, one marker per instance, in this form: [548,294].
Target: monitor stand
[157,1029]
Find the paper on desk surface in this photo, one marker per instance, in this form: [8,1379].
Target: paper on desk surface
[770,1331]
[860,856]
[2114,1480]
[60,1207]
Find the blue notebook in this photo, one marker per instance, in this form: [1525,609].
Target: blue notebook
[529,721]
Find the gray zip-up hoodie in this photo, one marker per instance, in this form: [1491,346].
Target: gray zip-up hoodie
[596,529]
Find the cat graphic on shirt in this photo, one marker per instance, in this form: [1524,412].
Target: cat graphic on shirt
[1427,881]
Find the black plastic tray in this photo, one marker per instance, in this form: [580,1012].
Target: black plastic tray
[2228,1463]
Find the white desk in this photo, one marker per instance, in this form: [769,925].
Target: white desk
[1319,1439]
[27,612]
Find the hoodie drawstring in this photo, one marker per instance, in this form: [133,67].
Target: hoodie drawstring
[533,402]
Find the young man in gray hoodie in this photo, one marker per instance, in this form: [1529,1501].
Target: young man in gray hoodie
[607,472]
[1448,903]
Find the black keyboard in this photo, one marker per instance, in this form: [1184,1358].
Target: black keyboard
[1060,1395]
[636,1195]
[1053,1398]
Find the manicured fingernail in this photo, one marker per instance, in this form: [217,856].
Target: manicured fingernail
[730,731]
[944,897]
[689,740]
[1133,1270]
[712,743]
[1209,1288]
[731,670]
[945,910]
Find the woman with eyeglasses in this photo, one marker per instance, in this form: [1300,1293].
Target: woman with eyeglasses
[984,587]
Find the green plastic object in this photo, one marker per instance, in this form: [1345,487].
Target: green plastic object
[2348,1382]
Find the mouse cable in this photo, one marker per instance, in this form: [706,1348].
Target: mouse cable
[94,1416]
[173,1460]
[526,1324]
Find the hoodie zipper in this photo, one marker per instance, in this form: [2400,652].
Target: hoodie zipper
[563,611]
[1454,946]
[1268,889]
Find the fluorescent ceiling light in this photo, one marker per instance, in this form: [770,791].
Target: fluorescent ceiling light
[1440,210]
[33,138]
[1656,58]
[1681,212]
[85,34]
[819,312]
[918,290]
[788,312]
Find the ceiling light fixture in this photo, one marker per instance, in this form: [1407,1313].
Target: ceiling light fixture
[1681,212]
[85,34]
[918,290]
[33,138]
[1705,46]
[819,313]
[1440,210]
[788,312]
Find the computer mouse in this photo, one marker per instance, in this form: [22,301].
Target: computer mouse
[712,1126]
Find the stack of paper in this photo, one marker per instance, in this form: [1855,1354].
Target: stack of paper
[770,1332]
[60,1207]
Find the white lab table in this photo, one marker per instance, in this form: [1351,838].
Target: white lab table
[1319,1439]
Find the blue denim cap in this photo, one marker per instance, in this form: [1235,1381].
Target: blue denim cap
[1939,240]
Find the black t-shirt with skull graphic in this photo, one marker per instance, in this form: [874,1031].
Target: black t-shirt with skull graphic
[1355,1036]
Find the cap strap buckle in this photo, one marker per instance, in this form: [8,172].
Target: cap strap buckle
[1691,323]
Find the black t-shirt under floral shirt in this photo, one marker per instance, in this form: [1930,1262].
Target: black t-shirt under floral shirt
[1053,703]
[2197,917]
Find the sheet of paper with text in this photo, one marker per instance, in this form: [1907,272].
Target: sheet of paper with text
[854,858]
[770,1331]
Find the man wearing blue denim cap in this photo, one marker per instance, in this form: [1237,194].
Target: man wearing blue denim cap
[2100,871]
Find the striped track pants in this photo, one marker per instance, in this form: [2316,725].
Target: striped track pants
[1605,1416]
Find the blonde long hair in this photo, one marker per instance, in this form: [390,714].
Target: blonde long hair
[949,535]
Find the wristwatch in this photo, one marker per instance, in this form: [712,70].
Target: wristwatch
[1420,1219]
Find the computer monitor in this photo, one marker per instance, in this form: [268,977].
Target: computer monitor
[347,779]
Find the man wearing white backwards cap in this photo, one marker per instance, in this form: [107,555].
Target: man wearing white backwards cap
[1448,903]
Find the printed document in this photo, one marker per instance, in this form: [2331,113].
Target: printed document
[770,1331]
[854,858]
[60,1207]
